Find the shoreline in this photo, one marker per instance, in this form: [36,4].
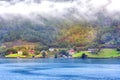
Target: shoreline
[63,58]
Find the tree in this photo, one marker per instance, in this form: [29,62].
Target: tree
[55,55]
[11,50]
[63,52]
[78,35]
[84,56]
[41,47]
[2,51]
[43,54]
[26,53]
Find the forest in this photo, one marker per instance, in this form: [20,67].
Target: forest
[58,33]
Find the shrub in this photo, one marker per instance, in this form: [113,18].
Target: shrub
[55,55]
[84,56]
[63,52]
[25,53]
[11,50]
[43,54]
[118,49]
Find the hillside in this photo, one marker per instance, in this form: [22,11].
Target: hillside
[27,30]
[19,43]
[78,23]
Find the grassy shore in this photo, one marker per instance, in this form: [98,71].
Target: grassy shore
[104,53]
[16,55]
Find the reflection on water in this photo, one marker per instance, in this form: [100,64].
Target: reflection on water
[60,69]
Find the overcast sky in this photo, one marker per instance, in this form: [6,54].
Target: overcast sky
[57,7]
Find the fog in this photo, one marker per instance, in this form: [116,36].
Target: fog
[78,9]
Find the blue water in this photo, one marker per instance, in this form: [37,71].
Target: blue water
[59,69]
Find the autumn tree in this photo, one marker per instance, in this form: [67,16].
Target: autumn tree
[78,35]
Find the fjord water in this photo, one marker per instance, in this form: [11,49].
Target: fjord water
[59,69]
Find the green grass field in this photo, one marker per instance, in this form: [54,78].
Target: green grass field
[38,56]
[15,56]
[104,53]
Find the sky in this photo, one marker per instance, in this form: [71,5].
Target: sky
[58,8]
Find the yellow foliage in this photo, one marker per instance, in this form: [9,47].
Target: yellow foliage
[79,35]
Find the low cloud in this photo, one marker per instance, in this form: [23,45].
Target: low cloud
[58,8]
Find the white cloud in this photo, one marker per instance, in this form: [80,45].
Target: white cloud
[56,8]
[114,6]
[27,8]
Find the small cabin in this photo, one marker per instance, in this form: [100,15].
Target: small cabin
[51,49]
[92,50]
[20,52]
[71,51]
[32,51]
